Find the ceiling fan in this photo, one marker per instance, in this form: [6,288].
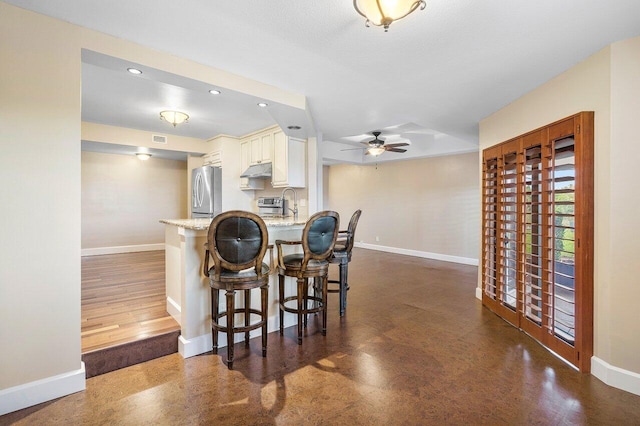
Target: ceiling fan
[376,146]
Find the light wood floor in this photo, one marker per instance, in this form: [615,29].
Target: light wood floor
[123,299]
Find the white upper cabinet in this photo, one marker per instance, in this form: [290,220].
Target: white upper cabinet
[267,147]
[261,147]
[245,161]
[286,155]
[213,158]
[289,164]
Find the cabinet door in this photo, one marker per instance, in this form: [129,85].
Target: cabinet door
[245,159]
[256,150]
[213,158]
[266,148]
[279,172]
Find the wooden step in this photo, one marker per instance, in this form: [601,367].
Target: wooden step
[124,316]
[112,358]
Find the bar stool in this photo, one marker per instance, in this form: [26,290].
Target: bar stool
[342,256]
[237,241]
[318,239]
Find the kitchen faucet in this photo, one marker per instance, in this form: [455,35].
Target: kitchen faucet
[295,201]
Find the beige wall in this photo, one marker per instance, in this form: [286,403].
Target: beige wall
[429,205]
[607,83]
[95,132]
[619,323]
[325,185]
[40,189]
[123,198]
[40,193]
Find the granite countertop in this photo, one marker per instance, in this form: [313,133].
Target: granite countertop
[203,224]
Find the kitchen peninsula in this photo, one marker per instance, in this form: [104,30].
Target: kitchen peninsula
[187,288]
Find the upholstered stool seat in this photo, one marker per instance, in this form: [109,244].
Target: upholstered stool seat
[237,242]
[318,239]
[239,276]
[293,263]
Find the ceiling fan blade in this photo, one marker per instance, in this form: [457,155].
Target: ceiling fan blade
[394,145]
[366,143]
[395,150]
[353,149]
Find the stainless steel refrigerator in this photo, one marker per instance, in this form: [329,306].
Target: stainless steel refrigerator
[206,192]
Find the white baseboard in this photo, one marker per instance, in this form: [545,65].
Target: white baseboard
[417,253]
[194,346]
[615,377]
[174,310]
[204,343]
[121,249]
[39,391]
[478,293]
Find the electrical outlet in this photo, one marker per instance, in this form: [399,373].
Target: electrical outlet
[377,238]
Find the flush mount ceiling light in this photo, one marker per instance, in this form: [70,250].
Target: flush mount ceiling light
[263,104]
[383,13]
[214,92]
[143,156]
[135,71]
[174,117]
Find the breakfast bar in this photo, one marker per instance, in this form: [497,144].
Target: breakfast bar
[187,288]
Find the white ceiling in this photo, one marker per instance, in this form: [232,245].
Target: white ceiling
[429,80]
[113,96]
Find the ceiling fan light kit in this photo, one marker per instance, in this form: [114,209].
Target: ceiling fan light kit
[377,147]
[383,13]
[375,151]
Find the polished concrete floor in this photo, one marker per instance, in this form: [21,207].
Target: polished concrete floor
[415,347]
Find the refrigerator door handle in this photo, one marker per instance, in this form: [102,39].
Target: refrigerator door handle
[197,200]
[193,193]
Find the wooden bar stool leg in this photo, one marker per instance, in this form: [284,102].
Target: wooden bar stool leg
[301,283]
[343,267]
[264,304]
[316,286]
[230,324]
[215,309]
[281,302]
[306,301]
[247,314]
[325,284]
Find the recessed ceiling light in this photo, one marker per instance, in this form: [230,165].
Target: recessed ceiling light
[263,104]
[294,127]
[135,71]
[214,92]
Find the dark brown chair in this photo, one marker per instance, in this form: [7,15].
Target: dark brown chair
[342,256]
[237,242]
[318,239]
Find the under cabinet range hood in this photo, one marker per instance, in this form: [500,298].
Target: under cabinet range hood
[262,170]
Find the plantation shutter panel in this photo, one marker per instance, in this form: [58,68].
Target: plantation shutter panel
[490,225]
[538,235]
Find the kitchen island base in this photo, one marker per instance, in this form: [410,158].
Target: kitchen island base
[187,288]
